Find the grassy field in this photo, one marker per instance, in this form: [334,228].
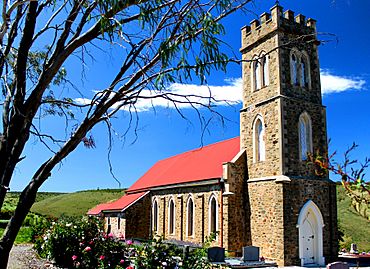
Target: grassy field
[74,204]
[11,198]
[353,225]
[24,235]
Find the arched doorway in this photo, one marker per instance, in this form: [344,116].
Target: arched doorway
[310,225]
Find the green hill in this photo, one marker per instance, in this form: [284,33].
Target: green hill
[350,223]
[74,204]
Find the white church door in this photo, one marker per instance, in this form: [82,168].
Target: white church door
[310,225]
[308,239]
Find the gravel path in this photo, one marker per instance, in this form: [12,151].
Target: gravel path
[23,257]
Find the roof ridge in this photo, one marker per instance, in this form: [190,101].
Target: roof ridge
[199,148]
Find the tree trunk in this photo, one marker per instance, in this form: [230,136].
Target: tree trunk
[26,200]
[10,152]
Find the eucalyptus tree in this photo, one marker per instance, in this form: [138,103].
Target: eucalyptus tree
[160,42]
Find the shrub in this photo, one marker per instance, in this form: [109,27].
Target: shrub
[83,244]
[156,254]
[6,214]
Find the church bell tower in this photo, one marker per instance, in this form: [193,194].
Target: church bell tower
[293,212]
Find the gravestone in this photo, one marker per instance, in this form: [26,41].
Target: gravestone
[216,254]
[251,253]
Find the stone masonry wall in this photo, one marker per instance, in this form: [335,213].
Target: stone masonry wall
[270,113]
[117,225]
[266,206]
[238,211]
[138,219]
[292,109]
[201,196]
[133,223]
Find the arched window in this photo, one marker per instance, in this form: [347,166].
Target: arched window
[305,135]
[155,216]
[294,69]
[213,215]
[257,74]
[190,217]
[259,140]
[303,72]
[265,64]
[171,216]
[299,68]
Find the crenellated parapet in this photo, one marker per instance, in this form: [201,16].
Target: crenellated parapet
[276,20]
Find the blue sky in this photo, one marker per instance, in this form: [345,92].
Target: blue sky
[345,64]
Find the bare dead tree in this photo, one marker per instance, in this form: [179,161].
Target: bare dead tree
[161,42]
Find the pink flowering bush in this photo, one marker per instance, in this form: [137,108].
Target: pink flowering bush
[83,244]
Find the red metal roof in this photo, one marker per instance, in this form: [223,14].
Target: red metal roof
[97,209]
[121,204]
[125,201]
[199,164]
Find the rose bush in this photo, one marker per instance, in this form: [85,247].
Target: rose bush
[82,243]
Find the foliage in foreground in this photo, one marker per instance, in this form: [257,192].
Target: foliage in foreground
[352,174]
[86,245]
[354,227]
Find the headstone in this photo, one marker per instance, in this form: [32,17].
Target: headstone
[353,249]
[251,253]
[216,254]
[337,265]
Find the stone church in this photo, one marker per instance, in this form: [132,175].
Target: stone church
[256,189]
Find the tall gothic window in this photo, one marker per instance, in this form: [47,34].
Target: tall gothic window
[294,69]
[257,75]
[213,214]
[171,217]
[265,64]
[190,217]
[260,71]
[155,216]
[305,136]
[259,140]
[299,68]
[303,73]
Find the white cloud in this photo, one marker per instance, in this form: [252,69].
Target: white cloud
[186,96]
[230,93]
[334,84]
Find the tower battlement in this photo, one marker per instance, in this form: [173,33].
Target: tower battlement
[277,19]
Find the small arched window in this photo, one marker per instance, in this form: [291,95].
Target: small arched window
[299,68]
[303,72]
[257,74]
[294,69]
[190,217]
[265,64]
[155,216]
[305,136]
[259,140]
[171,216]
[213,215]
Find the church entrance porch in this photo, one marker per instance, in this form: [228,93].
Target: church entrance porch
[310,225]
